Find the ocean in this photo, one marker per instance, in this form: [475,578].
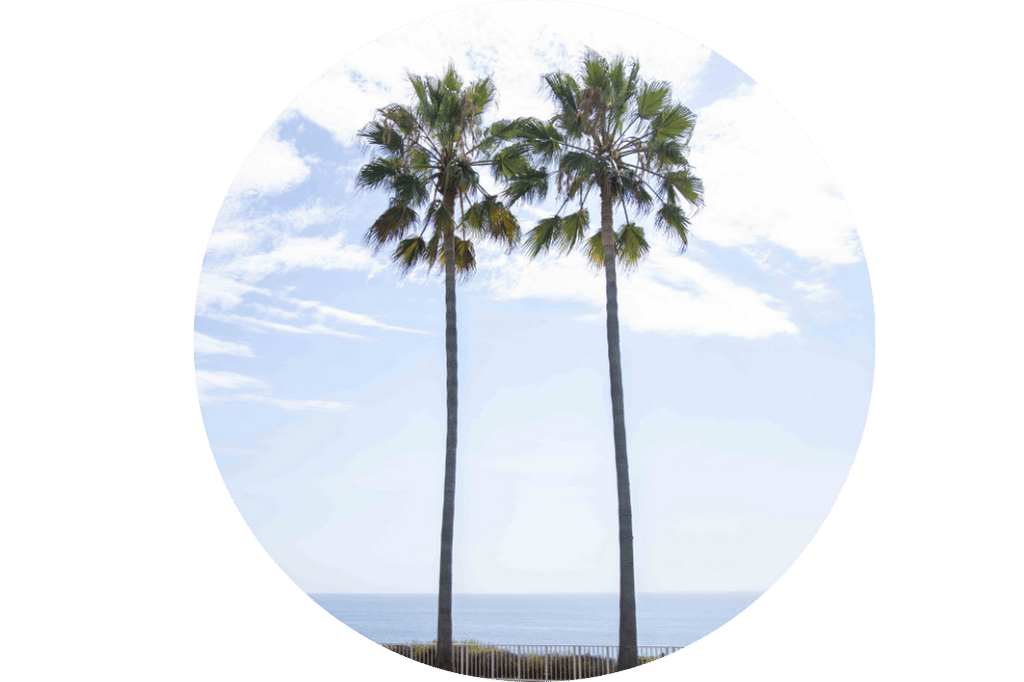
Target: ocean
[671,619]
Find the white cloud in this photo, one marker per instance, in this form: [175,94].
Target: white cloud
[207,345]
[237,232]
[690,299]
[292,253]
[274,166]
[766,184]
[668,294]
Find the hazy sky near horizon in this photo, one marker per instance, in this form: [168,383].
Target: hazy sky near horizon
[747,361]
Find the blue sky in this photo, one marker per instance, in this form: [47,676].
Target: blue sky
[747,361]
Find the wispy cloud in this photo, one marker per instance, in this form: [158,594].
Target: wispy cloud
[817,291]
[207,345]
[306,317]
[260,324]
[220,292]
[208,381]
[224,387]
[325,311]
[317,405]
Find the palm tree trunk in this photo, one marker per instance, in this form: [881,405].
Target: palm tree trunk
[627,589]
[444,593]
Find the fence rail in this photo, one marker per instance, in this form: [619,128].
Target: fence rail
[530,661]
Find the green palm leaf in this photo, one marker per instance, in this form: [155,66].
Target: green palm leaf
[541,237]
[670,217]
[390,226]
[379,172]
[673,121]
[651,97]
[492,218]
[409,189]
[409,253]
[631,246]
[530,185]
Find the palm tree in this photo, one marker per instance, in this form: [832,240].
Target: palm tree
[625,137]
[425,156]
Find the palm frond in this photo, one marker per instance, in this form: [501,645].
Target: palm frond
[634,191]
[543,140]
[384,135]
[582,164]
[390,226]
[564,92]
[510,161]
[409,189]
[672,121]
[651,97]
[465,257]
[433,251]
[378,172]
[409,253]
[595,250]
[623,86]
[631,246]
[451,80]
[593,70]
[400,116]
[574,227]
[690,187]
[492,218]
[531,186]
[482,93]
[504,129]
[468,178]
[670,217]
[441,217]
[665,153]
[543,235]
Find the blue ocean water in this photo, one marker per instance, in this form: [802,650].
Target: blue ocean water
[674,619]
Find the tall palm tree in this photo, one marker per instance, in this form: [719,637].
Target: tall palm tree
[426,156]
[626,138]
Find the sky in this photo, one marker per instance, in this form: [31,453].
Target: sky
[747,361]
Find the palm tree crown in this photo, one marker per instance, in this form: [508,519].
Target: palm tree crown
[618,133]
[425,156]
